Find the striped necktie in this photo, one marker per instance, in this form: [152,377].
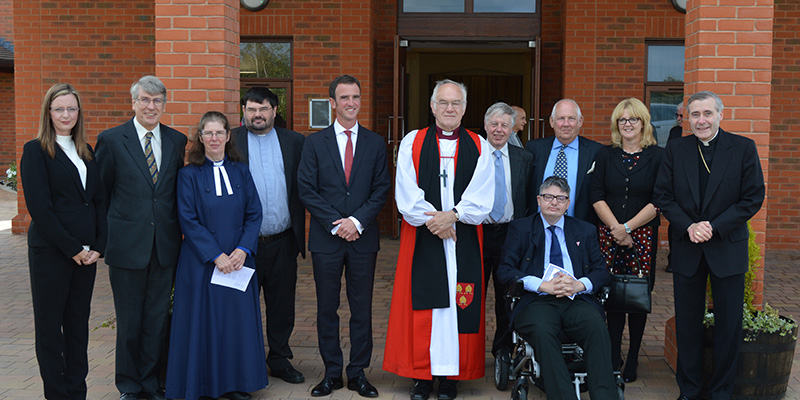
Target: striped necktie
[151,159]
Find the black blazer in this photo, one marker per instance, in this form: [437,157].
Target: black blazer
[140,213]
[291,144]
[523,255]
[322,188]
[626,191]
[64,215]
[587,149]
[733,195]
[523,192]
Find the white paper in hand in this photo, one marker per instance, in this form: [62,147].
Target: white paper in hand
[236,280]
[553,270]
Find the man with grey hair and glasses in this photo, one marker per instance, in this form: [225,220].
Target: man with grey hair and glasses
[139,162]
[436,325]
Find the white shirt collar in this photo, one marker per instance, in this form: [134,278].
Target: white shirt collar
[141,131]
[338,128]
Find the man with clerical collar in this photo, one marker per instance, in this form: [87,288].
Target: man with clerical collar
[436,322]
[520,120]
[567,155]
[513,198]
[709,185]
[273,154]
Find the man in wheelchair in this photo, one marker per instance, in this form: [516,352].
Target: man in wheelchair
[573,268]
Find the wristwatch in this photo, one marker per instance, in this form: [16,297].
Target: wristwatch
[627,230]
[456,213]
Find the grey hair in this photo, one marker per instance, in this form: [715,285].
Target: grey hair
[704,95]
[500,108]
[556,181]
[443,82]
[149,84]
[577,107]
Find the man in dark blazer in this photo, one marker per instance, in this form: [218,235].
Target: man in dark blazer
[516,167]
[273,154]
[709,185]
[566,120]
[674,133]
[343,181]
[546,309]
[139,162]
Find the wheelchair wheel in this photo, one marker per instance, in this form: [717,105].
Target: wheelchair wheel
[620,387]
[520,393]
[502,367]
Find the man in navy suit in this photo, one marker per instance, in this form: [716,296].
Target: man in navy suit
[546,309]
[139,162]
[568,155]
[513,169]
[273,154]
[709,185]
[343,181]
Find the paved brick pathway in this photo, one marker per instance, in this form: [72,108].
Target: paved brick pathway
[19,375]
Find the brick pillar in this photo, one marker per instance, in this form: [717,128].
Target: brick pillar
[197,58]
[729,52]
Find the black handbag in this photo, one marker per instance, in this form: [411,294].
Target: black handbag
[629,293]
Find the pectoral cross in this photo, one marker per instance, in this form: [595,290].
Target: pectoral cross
[443,175]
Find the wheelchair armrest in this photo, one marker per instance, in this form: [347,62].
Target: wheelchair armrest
[516,290]
[602,294]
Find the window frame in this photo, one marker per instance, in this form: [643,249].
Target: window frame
[273,83]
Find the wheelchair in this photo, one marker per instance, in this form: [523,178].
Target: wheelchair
[522,369]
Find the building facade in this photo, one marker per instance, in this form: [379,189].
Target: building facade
[526,52]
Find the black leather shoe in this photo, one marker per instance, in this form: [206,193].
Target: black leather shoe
[237,396]
[129,396]
[289,374]
[362,386]
[421,389]
[327,386]
[447,389]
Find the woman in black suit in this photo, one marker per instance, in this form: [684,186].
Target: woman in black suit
[622,192]
[66,237]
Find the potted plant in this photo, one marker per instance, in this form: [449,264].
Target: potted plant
[767,351]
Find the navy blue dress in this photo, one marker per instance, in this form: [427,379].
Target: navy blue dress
[216,343]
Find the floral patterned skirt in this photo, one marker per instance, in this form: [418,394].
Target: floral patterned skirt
[630,260]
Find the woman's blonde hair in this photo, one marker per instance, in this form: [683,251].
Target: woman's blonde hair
[636,109]
[47,132]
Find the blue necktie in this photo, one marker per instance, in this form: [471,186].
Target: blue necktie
[555,248]
[499,188]
[560,170]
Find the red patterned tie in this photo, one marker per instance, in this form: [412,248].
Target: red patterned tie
[348,157]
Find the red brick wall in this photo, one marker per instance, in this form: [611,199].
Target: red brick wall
[8,151]
[99,47]
[330,38]
[6,20]
[604,54]
[783,219]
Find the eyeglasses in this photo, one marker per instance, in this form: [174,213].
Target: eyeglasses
[678,115]
[145,101]
[60,110]
[623,121]
[549,197]
[455,104]
[263,110]
[210,134]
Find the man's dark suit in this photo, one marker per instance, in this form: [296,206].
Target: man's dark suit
[276,260]
[494,236]
[143,245]
[540,318]
[322,188]
[64,217]
[733,194]
[675,132]
[540,148]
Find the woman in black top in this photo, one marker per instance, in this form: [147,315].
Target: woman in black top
[622,190]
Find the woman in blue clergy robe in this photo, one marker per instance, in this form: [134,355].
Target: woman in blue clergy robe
[216,343]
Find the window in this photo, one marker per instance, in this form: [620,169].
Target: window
[664,86]
[478,6]
[268,63]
